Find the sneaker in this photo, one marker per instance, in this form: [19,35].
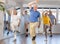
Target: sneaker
[49,29]
[50,35]
[26,35]
[6,28]
[14,40]
[7,33]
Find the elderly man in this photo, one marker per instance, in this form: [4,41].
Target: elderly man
[34,19]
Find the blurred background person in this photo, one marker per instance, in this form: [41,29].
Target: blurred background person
[26,18]
[46,22]
[15,22]
[53,21]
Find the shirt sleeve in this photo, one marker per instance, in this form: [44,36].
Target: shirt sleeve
[31,9]
[39,15]
[18,18]
[53,16]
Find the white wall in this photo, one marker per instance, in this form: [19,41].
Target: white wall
[1,25]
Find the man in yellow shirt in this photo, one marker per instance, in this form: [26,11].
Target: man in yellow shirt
[46,22]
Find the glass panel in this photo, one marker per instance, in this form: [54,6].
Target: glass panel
[59,16]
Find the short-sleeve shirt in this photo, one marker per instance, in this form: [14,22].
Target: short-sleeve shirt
[46,20]
[34,15]
[26,17]
[52,17]
[15,19]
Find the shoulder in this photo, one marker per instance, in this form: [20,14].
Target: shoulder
[53,15]
[31,9]
[38,12]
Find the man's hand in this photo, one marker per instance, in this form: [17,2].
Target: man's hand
[39,25]
[32,3]
[37,1]
[51,24]
[18,24]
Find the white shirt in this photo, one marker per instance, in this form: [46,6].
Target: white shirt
[15,19]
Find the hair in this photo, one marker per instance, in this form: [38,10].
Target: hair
[50,11]
[14,11]
[25,10]
[34,4]
[46,13]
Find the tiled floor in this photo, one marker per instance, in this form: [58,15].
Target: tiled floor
[39,40]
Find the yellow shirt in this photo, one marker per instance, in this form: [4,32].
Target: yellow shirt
[46,20]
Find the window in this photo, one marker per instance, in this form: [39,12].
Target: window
[59,16]
[40,10]
[54,12]
[28,11]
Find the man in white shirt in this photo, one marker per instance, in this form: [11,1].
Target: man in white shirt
[15,22]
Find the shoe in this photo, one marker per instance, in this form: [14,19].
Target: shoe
[49,29]
[50,35]
[14,40]
[6,28]
[26,35]
[7,33]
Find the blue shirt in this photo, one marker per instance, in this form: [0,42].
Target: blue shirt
[34,15]
[52,17]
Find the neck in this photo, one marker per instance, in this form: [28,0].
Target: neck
[35,10]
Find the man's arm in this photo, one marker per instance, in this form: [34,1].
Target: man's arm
[31,3]
[55,21]
[50,22]
[19,22]
[43,13]
[39,22]
[39,19]
[19,19]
